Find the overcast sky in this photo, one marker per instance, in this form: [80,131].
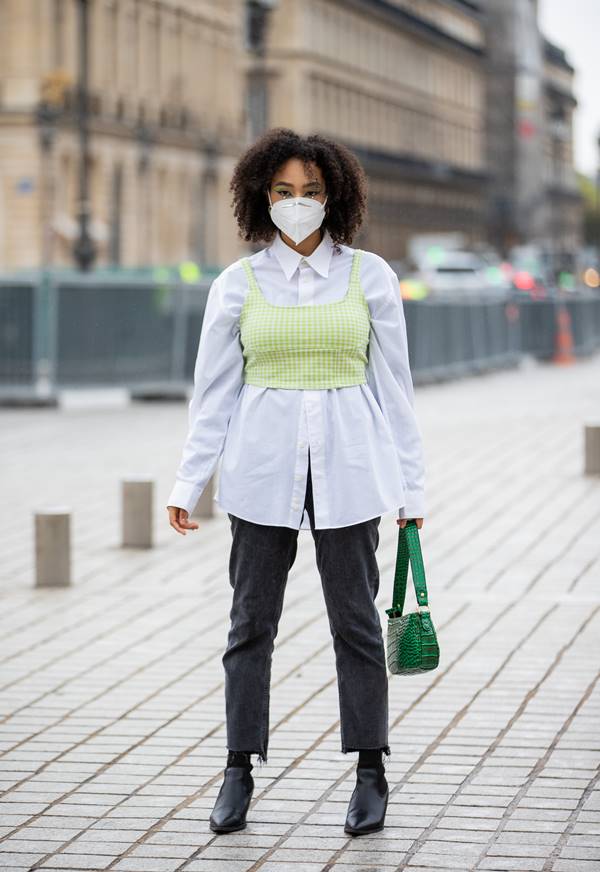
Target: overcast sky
[574,25]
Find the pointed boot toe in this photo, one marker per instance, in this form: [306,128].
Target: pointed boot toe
[233,800]
[368,803]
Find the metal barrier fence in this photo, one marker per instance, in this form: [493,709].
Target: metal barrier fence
[102,331]
[88,332]
[538,324]
[450,338]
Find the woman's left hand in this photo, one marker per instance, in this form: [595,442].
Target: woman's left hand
[402,522]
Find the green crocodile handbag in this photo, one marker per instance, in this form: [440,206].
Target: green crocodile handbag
[412,644]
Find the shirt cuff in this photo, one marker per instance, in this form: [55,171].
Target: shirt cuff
[414,507]
[185,495]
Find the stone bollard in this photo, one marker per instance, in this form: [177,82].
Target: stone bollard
[205,506]
[137,496]
[592,448]
[53,547]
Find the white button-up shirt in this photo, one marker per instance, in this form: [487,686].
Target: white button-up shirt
[366,450]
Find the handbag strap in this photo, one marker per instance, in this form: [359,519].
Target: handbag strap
[409,549]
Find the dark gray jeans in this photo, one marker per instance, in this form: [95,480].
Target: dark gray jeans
[261,557]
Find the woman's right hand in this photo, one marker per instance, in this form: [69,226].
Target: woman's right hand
[178,519]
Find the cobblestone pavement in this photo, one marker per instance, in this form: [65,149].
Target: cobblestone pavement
[113,738]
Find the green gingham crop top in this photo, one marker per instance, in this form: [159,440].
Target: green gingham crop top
[309,346]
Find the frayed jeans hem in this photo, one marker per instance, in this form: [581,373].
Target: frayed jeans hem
[385,748]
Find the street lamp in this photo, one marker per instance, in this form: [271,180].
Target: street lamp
[84,249]
[47,115]
[144,140]
[49,111]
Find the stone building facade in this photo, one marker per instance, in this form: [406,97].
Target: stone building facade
[178,88]
[564,204]
[403,85]
[166,126]
[529,119]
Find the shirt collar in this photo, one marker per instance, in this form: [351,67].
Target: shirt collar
[289,259]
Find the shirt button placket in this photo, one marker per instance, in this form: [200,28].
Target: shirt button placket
[299,482]
[305,293]
[314,421]
[306,284]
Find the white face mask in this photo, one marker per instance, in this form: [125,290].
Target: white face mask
[297,217]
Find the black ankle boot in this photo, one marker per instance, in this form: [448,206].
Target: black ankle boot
[368,803]
[233,800]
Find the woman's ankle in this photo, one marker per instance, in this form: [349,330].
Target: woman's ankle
[371,757]
[239,758]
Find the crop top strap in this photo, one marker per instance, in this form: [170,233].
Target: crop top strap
[355,290]
[252,283]
[355,272]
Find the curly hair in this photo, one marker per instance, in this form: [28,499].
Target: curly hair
[345,182]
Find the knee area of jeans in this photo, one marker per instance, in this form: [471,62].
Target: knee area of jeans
[252,625]
[367,632]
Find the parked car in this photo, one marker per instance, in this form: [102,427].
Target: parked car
[458,273]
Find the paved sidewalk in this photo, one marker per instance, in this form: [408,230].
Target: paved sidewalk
[113,738]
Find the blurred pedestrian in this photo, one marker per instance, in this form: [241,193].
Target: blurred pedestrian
[302,383]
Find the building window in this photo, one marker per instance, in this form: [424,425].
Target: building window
[58,33]
[257,110]
[255,24]
[113,44]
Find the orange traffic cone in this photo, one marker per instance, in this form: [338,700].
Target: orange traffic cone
[563,337]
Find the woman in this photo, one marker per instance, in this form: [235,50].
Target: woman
[302,383]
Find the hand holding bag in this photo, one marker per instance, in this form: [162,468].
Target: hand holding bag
[412,645]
